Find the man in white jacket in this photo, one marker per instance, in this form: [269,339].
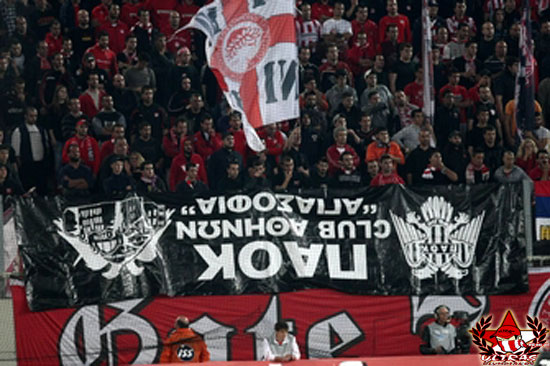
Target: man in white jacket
[281,346]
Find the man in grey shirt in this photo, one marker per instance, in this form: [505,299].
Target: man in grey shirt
[440,336]
[281,346]
[509,172]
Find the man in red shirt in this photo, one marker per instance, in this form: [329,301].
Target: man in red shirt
[415,90]
[178,169]
[90,100]
[160,10]
[54,39]
[274,143]
[108,146]
[321,10]
[235,128]
[329,67]
[116,29]
[100,12]
[361,56]
[394,17]
[207,140]
[361,23]
[105,58]
[176,38]
[460,94]
[89,149]
[338,148]
[129,13]
[187,9]
[387,173]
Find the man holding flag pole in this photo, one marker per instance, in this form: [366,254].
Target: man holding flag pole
[251,48]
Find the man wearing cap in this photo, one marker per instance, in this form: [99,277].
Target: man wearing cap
[184,345]
[88,147]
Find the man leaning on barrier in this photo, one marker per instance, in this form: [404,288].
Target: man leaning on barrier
[281,346]
[440,336]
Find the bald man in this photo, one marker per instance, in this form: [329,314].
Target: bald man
[184,345]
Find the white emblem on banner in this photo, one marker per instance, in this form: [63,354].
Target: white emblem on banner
[438,241]
[110,236]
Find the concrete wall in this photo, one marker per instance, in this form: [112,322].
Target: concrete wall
[7,334]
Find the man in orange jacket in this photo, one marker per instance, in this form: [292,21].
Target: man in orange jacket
[184,345]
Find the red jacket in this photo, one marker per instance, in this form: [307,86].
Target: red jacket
[274,145]
[160,10]
[333,157]
[88,105]
[184,345]
[206,148]
[171,143]
[89,152]
[117,34]
[100,13]
[129,13]
[178,171]
[105,59]
[54,44]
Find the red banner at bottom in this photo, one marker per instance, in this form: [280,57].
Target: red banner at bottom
[327,324]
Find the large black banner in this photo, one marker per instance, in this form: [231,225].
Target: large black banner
[384,241]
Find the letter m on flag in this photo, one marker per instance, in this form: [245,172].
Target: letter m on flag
[251,48]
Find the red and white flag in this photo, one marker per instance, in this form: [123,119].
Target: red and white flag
[251,48]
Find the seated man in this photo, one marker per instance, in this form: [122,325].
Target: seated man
[348,176]
[191,185]
[119,183]
[440,336]
[281,346]
[509,172]
[289,178]
[477,171]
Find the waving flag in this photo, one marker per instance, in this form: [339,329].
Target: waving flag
[251,48]
[427,63]
[525,80]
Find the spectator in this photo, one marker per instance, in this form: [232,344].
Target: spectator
[393,17]
[337,25]
[106,59]
[496,62]
[178,168]
[493,151]
[475,135]
[408,137]
[83,35]
[329,67]
[33,152]
[319,177]
[144,31]
[415,89]
[293,149]
[191,185]
[161,61]
[235,128]
[527,156]
[88,147]
[75,178]
[361,24]
[176,38]
[308,30]
[361,55]
[274,143]
[540,172]
[149,182]
[455,48]
[128,56]
[373,168]
[107,118]
[179,100]
[540,134]
[340,146]
[207,140]
[379,112]
[468,65]
[231,182]
[504,89]
[54,38]
[115,28]
[371,77]
[8,185]
[419,157]
[119,183]
[487,42]
[195,112]
[447,117]
[348,177]
[436,172]
[307,70]
[511,127]
[140,75]
[107,147]
[387,173]
[120,150]
[460,17]
[129,12]
[151,112]
[403,71]
[404,110]
[89,66]
[12,106]
[183,64]
[509,172]
[217,164]
[256,177]
[336,93]
[321,10]
[91,98]
[124,99]
[288,178]
[383,146]
[171,142]
[148,146]
[100,12]
[54,77]
[455,154]
[476,171]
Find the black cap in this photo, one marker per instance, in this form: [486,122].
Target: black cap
[454,133]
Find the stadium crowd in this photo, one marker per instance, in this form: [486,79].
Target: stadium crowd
[107,97]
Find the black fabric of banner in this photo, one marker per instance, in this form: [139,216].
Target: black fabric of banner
[385,241]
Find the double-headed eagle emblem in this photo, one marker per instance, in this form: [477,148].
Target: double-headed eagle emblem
[437,240]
